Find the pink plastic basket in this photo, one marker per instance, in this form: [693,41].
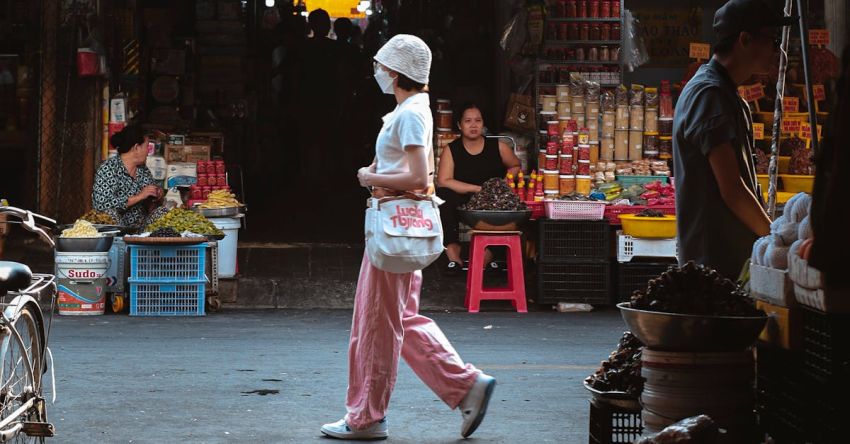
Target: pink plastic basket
[570,210]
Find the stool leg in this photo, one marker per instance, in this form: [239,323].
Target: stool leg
[517,275]
[476,274]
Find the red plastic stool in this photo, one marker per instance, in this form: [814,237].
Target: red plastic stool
[475,291]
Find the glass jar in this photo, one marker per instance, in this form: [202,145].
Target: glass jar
[593,54]
[582,9]
[615,9]
[615,31]
[604,54]
[563,31]
[605,31]
[594,32]
[604,8]
[593,8]
[560,9]
[580,54]
[551,31]
[585,32]
[575,31]
[571,10]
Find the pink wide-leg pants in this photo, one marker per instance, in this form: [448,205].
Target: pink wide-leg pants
[387,324]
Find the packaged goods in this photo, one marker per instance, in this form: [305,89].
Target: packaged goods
[621,118]
[567,184]
[621,145]
[606,148]
[650,120]
[584,184]
[650,145]
[665,148]
[636,117]
[635,145]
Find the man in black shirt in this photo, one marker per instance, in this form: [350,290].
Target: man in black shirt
[718,201]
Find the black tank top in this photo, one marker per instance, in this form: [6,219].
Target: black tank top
[476,169]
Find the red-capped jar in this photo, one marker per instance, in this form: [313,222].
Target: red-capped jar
[593,54]
[566,165]
[584,33]
[582,9]
[605,31]
[571,10]
[595,32]
[580,56]
[615,31]
[202,167]
[551,148]
[615,9]
[219,167]
[206,192]
[605,8]
[560,9]
[583,168]
[593,8]
[552,31]
[203,180]
[563,31]
[197,192]
[552,162]
[221,180]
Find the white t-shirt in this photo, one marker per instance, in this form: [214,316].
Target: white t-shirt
[409,124]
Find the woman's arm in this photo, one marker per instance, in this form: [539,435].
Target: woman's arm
[414,179]
[509,158]
[445,176]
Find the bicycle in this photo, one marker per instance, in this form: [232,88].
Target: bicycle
[23,340]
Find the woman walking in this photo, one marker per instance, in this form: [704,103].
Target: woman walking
[386,321]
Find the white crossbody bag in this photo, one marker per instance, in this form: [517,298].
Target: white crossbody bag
[404,233]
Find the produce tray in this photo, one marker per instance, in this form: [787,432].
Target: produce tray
[139,240]
[629,247]
[571,240]
[613,212]
[772,286]
[575,210]
[627,181]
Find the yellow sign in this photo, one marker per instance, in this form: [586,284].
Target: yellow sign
[336,8]
[791,126]
[819,92]
[699,51]
[806,131]
[668,31]
[758,131]
[751,93]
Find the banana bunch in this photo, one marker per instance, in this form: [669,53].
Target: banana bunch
[221,199]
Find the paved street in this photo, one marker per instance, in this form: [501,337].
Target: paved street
[276,376]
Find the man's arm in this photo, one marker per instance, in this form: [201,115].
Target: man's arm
[735,194]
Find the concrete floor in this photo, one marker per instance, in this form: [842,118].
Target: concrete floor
[277,376]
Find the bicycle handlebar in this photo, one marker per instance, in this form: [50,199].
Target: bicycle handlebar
[32,222]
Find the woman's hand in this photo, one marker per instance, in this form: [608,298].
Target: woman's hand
[477,189]
[149,191]
[364,174]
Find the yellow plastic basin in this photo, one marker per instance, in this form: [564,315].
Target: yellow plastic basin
[797,184]
[649,227]
[781,196]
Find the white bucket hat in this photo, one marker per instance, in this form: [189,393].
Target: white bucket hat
[408,55]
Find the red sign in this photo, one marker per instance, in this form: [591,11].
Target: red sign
[791,126]
[758,131]
[790,104]
[819,37]
[751,93]
[819,92]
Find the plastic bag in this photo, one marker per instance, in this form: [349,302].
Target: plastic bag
[622,95]
[577,85]
[697,429]
[608,101]
[636,96]
[651,97]
[515,33]
[634,50]
[592,91]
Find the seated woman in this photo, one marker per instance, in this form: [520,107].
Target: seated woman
[464,167]
[124,187]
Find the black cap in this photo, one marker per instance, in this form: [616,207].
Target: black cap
[748,15]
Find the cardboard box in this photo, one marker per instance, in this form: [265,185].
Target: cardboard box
[783,327]
[186,153]
[158,167]
[180,173]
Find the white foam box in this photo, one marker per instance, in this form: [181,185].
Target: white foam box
[772,286]
[158,167]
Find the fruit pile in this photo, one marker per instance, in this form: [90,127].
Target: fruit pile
[621,372]
[495,195]
[97,217]
[165,232]
[181,220]
[695,290]
[221,199]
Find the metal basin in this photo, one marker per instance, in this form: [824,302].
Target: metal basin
[491,220]
[679,332]
[84,244]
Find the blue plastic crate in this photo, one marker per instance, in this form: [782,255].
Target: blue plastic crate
[167,263]
[167,299]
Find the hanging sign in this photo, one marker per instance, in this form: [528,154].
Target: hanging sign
[700,51]
[751,93]
[819,37]
[790,104]
[819,92]
[806,131]
[791,126]
[758,131]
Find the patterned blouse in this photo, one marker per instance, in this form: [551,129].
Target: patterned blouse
[113,186]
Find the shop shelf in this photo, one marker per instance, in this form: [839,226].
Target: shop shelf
[582,42]
[578,282]
[586,19]
[577,62]
[167,263]
[610,424]
[629,247]
[613,212]
[566,240]
[167,299]
[633,276]
[826,350]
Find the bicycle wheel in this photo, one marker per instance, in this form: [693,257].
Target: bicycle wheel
[18,384]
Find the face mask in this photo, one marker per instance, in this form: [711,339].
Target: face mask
[384,80]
